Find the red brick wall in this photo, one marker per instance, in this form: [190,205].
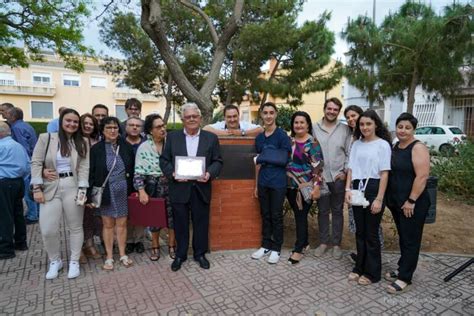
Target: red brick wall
[235,221]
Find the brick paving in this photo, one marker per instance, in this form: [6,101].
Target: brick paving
[235,284]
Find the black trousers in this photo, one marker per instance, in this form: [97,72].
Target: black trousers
[301,220]
[200,218]
[12,221]
[369,256]
[271,209]
[410,232]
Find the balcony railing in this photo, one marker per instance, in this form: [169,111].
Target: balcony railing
[27,87]
[125,93]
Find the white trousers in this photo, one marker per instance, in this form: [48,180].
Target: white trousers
[51,212]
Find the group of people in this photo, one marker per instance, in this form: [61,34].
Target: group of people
[328,162]
[334,163]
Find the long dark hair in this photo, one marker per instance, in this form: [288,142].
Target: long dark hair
[308,120]
[380,129]
[95,133]
[354,108]
[79,142]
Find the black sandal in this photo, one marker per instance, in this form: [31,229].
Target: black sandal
[172,252]
[394,288]
[391,276]
[155,254]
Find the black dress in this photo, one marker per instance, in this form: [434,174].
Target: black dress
[410,230]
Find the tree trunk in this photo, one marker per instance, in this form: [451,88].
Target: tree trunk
[168,98]
[153,24]
[233,77]
[411,91]
[272,75]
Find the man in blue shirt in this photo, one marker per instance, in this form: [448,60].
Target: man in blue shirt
[14,166]
[53,125]
[24,134]
[271,182]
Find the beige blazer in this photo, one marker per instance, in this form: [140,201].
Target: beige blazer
[79,165]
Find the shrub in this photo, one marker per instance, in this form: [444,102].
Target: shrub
[456,173]
[174,126]
[40,127]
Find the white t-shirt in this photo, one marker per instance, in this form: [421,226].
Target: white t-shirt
[245,126]
[367,159]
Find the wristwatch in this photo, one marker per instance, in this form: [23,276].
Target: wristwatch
[411,201]
[243,133]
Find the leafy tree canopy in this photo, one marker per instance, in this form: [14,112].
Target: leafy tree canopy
[413,46]
[42,25]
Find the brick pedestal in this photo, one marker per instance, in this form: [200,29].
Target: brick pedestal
[235,221]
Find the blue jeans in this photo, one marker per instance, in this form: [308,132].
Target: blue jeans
[32,213]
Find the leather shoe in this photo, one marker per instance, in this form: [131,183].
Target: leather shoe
[203,262]
[21,246]
[139,248]
[177,262]
[129,248]
[4,256]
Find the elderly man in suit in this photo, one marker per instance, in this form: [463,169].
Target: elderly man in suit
[191,196]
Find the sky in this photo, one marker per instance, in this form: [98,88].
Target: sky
[340,10]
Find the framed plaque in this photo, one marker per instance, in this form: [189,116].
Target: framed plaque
[189,168]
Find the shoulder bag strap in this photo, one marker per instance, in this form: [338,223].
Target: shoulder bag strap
[113,166]
[46,152]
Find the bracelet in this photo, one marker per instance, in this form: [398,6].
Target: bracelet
[380,200]
[411,201]
[348,190]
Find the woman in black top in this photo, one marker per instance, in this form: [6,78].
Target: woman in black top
[408,199]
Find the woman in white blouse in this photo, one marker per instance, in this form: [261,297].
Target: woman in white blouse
[59,168]
[369,165]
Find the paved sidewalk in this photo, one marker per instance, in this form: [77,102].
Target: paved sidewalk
[235,284]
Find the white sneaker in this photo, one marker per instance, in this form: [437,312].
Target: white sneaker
[337,252]
[74,270]
[274,257]
[320,250]
[260,253]
[54,268]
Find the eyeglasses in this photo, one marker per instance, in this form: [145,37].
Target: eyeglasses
[135,125]
[160,126]
[191,117]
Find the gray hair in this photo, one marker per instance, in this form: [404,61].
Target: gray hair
[189,106]
[4,130]
[133,118]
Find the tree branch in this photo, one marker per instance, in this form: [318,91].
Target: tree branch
[206,18]
[153,24]
[400,46]
[221,48]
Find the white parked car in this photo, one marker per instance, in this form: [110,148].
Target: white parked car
[442,138]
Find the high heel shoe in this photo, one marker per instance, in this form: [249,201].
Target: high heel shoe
[293,261]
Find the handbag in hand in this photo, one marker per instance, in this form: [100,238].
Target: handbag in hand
[97,192]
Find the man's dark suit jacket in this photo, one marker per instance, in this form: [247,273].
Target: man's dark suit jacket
[175,145]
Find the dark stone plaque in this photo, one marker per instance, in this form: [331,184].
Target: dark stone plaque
[238,162]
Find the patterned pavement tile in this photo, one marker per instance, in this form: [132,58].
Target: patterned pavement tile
[235,284]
